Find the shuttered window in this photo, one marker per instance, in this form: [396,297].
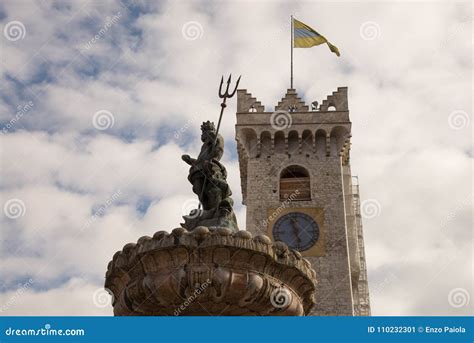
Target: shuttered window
[295,184]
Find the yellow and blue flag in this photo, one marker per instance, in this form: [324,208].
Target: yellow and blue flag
[305,37]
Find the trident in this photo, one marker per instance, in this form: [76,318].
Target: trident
[226,95]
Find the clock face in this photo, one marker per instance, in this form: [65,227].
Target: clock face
[298,230]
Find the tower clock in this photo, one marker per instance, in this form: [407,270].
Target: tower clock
[298,230]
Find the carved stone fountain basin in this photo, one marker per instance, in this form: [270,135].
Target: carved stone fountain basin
[210,273]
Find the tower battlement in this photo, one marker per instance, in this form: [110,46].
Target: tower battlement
[337,101]
[292,129]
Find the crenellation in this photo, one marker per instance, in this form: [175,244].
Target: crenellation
[291,103]
[337,99]
[247,103]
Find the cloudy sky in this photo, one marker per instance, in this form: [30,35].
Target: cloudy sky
[100,98]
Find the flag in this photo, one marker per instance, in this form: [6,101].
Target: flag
[305,37]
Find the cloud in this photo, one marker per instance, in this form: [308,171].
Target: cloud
[93,190]
[76,296]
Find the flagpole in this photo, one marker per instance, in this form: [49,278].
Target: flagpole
[291,64]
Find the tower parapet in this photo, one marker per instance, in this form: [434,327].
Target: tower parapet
[291,129]
[337,99]
[247,103]
[291,102]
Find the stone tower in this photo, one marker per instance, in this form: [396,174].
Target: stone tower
[298,188]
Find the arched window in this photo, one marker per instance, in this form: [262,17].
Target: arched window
[295,184]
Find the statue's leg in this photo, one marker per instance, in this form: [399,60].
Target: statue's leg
[213,197]
[198,183]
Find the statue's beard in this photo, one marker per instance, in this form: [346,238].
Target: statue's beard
[209,138]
